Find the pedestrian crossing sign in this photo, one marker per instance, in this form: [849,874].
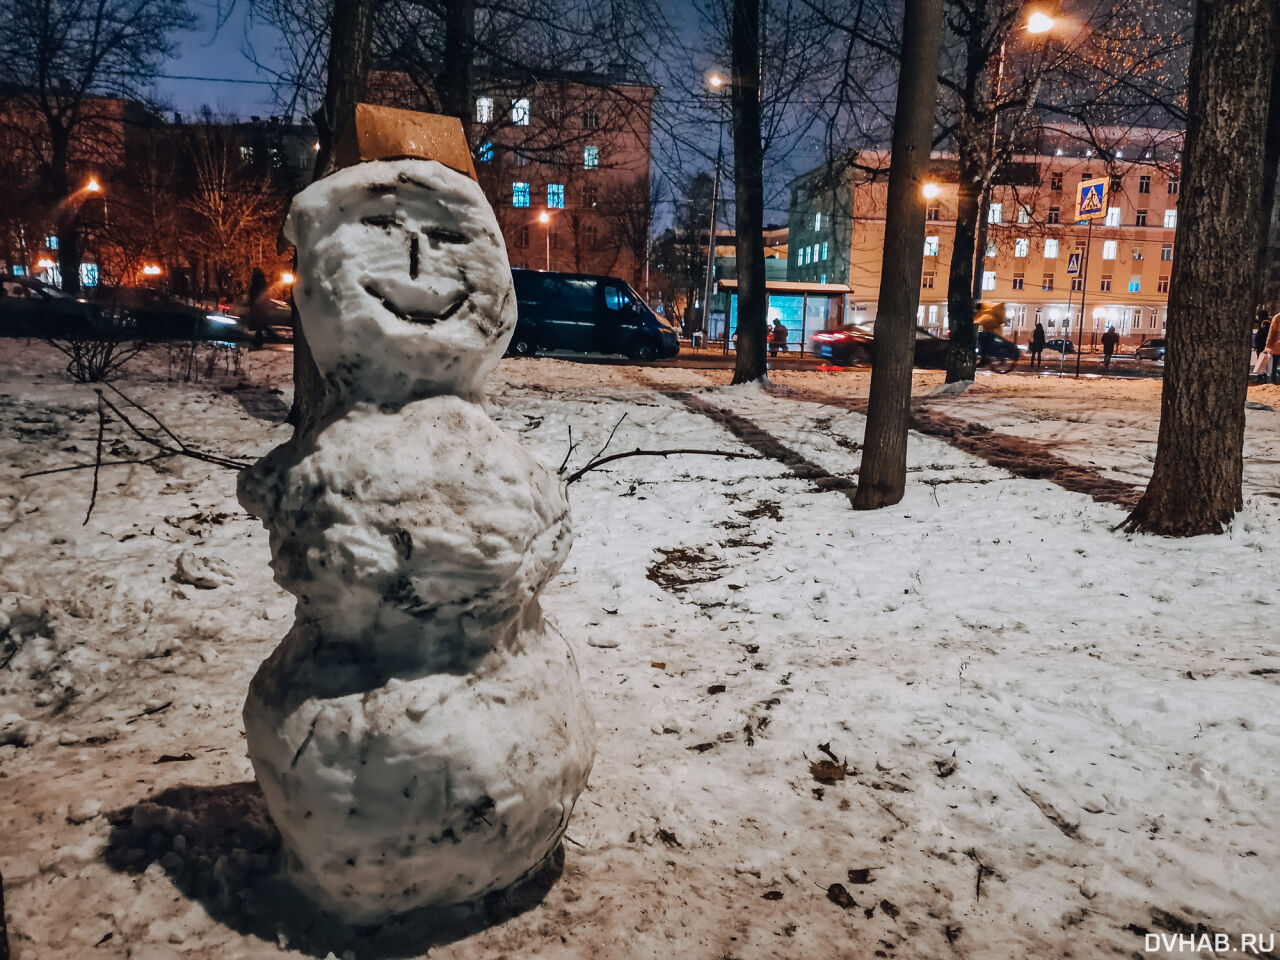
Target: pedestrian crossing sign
[1091,198]
[1073,265]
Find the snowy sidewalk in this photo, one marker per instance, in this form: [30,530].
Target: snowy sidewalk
[1057,738]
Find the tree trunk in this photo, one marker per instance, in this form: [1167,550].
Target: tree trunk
[457,77]
[350,39]
[1195,485]
[748,188]
[961,358]
[882,479]
[4,926]
[1270,166]
[68,207]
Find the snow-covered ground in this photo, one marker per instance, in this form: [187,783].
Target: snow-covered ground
[1001,728]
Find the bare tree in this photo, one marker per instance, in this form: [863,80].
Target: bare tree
[1196,482]
[58,63]
[748,184]
[883,476]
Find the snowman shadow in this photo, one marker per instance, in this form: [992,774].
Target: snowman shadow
[218,846]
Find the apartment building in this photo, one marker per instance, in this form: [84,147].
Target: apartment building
[1032,234]
[565,162]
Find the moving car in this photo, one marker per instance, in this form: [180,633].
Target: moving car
[152,315]
[1059,345]
[266,320]
[29,308]
[1150,349]
[852,344]
[584,313]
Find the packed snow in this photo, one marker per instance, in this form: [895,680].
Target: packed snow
[981,723]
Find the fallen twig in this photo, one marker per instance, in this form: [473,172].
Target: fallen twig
[601,461]
[97,461]
[151,710]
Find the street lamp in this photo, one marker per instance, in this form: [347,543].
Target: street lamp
[931,191]
[93,186]
[1040,22]
[716,83]
[286,278]
[544,218]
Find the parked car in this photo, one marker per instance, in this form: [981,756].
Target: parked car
[152,315]
[1060,345]
[29,308]
[1150,349]
[266,320]
[853,344]
[586,314]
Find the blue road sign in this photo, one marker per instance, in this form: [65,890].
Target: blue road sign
[1073,265]
[1091,198]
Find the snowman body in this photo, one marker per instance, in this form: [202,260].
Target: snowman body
[421,734]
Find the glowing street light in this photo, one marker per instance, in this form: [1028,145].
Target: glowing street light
[151,270]
[931,191]
[544,218]
[715,81]
[1040,22]
[286,278]
[93,186]
[44,263]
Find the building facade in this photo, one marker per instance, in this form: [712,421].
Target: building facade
[565,163]
[1032,237]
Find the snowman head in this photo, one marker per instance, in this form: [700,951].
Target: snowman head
[404,289]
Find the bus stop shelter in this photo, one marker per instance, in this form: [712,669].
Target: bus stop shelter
[805,308]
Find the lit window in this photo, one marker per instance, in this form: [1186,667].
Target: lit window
[590,158]
[1019,281]
[1137,253]
[824,249]
[246,155]
[520,112]
[1051,248]
[51,242]
[988,279]
[991,249]
[930,246]
[1108,250]
[1024,215]
[994,213]
[555,196]
[88,274]
[1113,217]
[817,221]
[1021,247]
[1047,282]
[1166,251]
[519,194]
[484,153]
[1171,219]
[484,109]
[1135,283]
[823,279]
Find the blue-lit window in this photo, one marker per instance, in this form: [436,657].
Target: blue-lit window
[555,196]
[590,158]
[51,242]
[88,274]
[484,153]
[824,252]
[520,112]
[519,194]
[1135,284]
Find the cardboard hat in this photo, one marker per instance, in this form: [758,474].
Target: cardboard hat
[386,133]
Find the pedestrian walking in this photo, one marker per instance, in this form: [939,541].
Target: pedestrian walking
[1109,341]
[1258,343]
[1037,345]
[1273,347]
[777,338]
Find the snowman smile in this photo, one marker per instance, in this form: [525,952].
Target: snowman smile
[412,316]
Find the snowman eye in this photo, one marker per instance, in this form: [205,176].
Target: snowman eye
[446,236]
[385,221]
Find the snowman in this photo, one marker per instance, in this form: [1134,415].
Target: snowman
[421,734]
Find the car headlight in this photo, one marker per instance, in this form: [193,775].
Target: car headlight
[220,318]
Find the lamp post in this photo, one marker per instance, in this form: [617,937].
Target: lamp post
[715,82]
[544,218]
[1038,22]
